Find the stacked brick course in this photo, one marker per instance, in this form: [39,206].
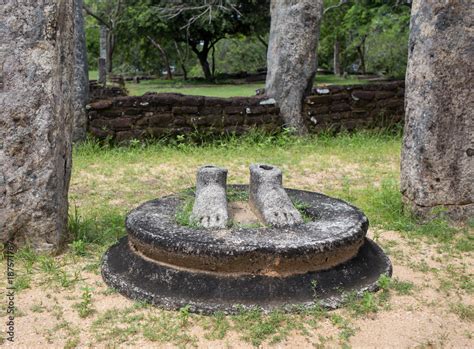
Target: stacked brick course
[155,115]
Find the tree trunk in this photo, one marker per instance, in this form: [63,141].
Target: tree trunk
[110,50]
[185,72]
[438,141]
[361,53]
[202,56]
[81,78]
[164,55]
[213,72]
[37,119]
[291,57]
[262,41]
[103,55]
[337,58]
[182,60]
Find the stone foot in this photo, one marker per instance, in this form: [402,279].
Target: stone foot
[210,204]
[268,198]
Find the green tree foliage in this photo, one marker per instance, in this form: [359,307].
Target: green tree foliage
[201,25]
[152,35]
[147,44]
[373,35]
[92,42]
[240,54]
[110,14]
[204,38]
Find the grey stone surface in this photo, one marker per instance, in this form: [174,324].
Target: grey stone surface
[172,288]
[170,278]
[292,56]
[210,204]
[437,167]
[334,234]
[36,56]
[81,75]
[268,198]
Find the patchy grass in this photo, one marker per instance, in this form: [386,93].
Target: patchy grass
[85,307]
[65,302]
[255,327]
[361,168]
[465,312]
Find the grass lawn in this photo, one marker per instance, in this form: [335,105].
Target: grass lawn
[216,90]
[63,302]
[93,74]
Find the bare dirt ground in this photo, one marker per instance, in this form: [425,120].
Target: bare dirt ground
[62,302]
[433,314]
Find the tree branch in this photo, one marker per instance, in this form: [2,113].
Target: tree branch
[157,45]
[215,42]
[97,17]
[208,8]
[341,2]
[262,41]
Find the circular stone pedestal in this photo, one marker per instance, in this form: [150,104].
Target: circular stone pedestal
[169,265]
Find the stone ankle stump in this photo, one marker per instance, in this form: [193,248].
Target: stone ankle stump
[210,205]
[437,165]
[319,260]
[268,198]
[36,64]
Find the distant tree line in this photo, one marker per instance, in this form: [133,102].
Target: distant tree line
[205,38]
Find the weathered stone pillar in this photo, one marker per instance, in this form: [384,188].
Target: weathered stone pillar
[37,54]
[292,56]
[81,75]
[438,145]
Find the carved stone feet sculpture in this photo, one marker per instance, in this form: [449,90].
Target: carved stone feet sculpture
[210,205]
[268,198]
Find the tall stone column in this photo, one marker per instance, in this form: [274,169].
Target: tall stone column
[437,167]
[81,75]
[292,56]
[37,57]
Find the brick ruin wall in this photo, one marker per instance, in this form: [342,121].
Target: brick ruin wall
[333,108]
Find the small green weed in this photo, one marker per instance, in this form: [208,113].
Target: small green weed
[218,326]
[464,311]
[346,330]
[255,327]
[168,328]
[48,264]
[85,308]
[183,214]
[72,343]
[234,194]
[38,308]
[302,207]
[387,283]
[79,248]
[362,305]
[22,282]
[104,227]
[65,280]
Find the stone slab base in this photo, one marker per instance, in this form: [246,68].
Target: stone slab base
[141,278]
[334,233]
[456,213]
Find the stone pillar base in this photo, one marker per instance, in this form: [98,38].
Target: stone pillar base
[455,213]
